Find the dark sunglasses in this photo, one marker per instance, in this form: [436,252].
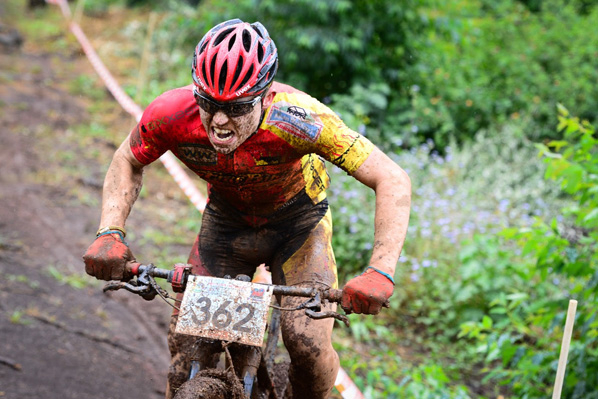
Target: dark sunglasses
[231,109]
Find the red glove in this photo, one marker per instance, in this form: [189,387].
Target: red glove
[107,256]
[367,292]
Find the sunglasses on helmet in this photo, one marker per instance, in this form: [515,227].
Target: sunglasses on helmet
[231,109]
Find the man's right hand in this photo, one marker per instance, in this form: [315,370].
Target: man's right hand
[106,258]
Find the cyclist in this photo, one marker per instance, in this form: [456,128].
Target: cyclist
[260,145]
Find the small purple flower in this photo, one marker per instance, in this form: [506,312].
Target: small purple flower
[503,205]
[414,277]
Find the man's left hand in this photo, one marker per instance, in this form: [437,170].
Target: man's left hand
[366,293]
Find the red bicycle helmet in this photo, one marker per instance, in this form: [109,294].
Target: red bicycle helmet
[235,59]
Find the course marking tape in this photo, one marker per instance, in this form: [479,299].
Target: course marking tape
[168,159]
[343,383]
[346,386]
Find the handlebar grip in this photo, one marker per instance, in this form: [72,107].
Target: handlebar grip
[133,267]
[334,295]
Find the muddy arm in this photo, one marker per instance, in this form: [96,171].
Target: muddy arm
[121,186]
[393,202]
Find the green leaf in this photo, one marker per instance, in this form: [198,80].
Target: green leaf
[562,110]
[487,322]
[592,217]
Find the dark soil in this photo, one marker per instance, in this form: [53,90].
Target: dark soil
[60,336]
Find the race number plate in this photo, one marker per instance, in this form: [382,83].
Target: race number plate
[228,310]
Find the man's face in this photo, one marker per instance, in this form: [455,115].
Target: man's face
[226,129]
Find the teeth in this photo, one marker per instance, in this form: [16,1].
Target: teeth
[222,133]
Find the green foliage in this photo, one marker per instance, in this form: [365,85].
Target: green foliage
[380,372]
[403,73]
[75,280]
[329,46]
[520,336]
[17,318]
[483,64]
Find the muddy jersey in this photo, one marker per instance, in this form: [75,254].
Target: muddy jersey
[282,158]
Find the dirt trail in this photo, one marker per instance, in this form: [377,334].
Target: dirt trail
[58,341]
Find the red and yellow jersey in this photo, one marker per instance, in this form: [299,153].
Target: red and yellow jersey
[283,157]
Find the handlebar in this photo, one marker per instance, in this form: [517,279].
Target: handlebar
[146,287]
[330,294]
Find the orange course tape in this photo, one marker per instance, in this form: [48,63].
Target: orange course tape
[343,383]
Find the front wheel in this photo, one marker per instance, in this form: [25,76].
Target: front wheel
[211,384]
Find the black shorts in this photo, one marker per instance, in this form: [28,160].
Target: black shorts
[294,242]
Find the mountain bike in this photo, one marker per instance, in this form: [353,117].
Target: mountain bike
[230,317]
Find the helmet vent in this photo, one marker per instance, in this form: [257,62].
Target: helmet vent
[247,77]
[246,40]
[222,36]
[231,42]
[260,53]
[238,70]
[259,32]
[203,47]
[203,71]
[222,78]
[213,71]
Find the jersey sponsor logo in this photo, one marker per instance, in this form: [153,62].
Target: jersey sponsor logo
[257,294]
[297,111]
[318,169]
[239,179]
[197,154]
[165,120]
[266,160]
[296,121]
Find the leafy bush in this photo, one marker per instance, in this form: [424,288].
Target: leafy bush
[492,182]
[481,64]
[380,371]
[521,334]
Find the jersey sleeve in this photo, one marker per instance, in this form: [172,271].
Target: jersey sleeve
[149,139]
[312,127]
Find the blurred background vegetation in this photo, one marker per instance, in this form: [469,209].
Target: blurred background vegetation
[472,99]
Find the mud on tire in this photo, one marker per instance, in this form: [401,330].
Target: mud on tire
[211,384]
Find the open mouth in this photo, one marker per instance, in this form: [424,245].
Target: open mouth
[222,136]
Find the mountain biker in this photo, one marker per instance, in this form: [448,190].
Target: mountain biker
[260,145]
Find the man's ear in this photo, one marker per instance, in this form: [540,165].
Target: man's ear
[268,98]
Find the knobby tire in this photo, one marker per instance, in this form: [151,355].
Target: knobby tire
[211,384]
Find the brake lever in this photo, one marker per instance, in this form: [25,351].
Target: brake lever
[314,303]
[313,309]
[326,315]
[146,291]
[113,286]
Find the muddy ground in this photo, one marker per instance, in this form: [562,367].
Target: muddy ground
[60,336]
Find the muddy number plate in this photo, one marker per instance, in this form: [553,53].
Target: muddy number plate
[228,310]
